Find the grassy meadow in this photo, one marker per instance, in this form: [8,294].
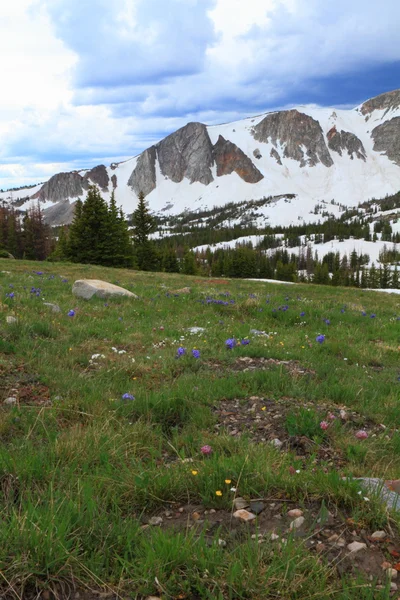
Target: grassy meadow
[103,495]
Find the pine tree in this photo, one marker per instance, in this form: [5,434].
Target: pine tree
[143,225]
[89,230]
[169,261]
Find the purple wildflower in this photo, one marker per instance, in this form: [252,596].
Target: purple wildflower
[181,351]
[71,313]
[302,314]
[127,397]
[320,338]
[373,316]
[196,353]
[10,295]
[327,322]
[230,343]
[245,342]
[206,449]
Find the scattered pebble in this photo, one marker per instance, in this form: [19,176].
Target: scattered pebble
[356,547]
[295,512]
[11,400]
[240,503]
[244,515]
[297,523]
[155,521]
[379,535]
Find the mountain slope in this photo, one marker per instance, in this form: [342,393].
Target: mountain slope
[305,155]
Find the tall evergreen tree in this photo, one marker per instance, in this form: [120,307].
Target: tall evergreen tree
[143,225]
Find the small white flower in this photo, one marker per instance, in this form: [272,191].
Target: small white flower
[121,351]
[114,349]
[233,489]
[133,360]
[366,499]
[298,471]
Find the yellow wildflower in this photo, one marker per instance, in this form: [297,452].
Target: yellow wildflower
[218,493]
[195,472]
[228,481]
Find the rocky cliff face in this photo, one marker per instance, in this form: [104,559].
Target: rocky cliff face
[62,186]
[143,177]
[387,139]
[341,141]
[295,131]
[230,158]
[387,101]
[99,176]
[187,153]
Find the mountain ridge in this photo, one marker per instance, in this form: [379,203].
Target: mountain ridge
[316,154]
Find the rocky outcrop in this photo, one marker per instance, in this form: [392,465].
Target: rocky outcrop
[340,141]
[87,288]
[387,139]
[387,101]
[143,178]
[61,213]
[114,181]
[275,154]
[99,176]
[299,134]
[256,153]
[229,158]
[62,186]
[187,153]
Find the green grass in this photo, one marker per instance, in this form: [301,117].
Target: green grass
[81,470]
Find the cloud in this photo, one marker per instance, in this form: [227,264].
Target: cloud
[87,80]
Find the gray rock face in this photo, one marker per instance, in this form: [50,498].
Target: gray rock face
[99,176]
[275,154]
[387,139]
[143,178]
[187,153]
[114,181]
[61,213]
[295,130]
[388,101]
[62,186]
[87,288]
[230,158]
[340,141]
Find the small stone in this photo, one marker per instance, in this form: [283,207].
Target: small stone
[274,537]
[153,598]
[196,516]
[320,547]
[386,565]
[181,509]
[185,290]
[356,547]
[155,521]
[244,515]
[257,507]
[240,503]
[11,400]
[379,535]
[392,573]
[277,443]
[393,586]
[54,307]
[297,523]
[295,512]
[212,511]
[221,543]
[11,320]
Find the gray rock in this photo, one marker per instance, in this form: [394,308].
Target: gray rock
[356,547]
[99,176]
[295,131]
[297,523]
[87,288]
[257,154]
[239,503]
[295,513]
[387,101]
[61,187]
[377,486]
[155,521]
[10,401]
[379,535]
[230,158]
[387,139]
[339,141]
[11,320]
[54,307]
[62,213]
[257,507]
[275,154]
[143,177]
[277,443]
[187,153]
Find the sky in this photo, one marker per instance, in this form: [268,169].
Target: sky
[86,82]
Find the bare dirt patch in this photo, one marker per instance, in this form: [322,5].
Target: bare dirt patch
[248,363]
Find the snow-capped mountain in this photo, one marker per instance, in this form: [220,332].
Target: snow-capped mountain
[302,156]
